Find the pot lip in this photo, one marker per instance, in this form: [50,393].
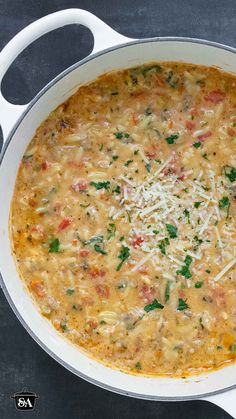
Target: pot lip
[4,288]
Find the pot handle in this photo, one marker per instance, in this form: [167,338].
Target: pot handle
[104,37]
[226,400]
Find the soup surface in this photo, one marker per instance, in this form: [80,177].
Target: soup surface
[123,219]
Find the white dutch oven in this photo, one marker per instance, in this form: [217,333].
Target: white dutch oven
[111,51]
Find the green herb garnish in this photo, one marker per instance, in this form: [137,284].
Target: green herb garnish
[117,189]
[197,204]
[101,185]
[111,229]
[148,167]
[64,326]
[54,246]
[182,305]
[167,291]
[199,284]
[162,246]
[224,202]
[171,139]
[187,215]
[155,304]
[123,256]
[148,111]
[115,158]
[128,163]
[230,173]
[70,291]
[119,135]
[99,249]
[91,240]
[197,144]
[185,269]
[172,230]
[138,366]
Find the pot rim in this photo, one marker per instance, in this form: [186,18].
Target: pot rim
[4,149]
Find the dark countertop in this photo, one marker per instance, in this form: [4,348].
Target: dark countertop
[22,362]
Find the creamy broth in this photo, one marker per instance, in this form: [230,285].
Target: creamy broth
[123,219]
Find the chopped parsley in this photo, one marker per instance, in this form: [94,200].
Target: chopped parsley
[115,158]
[162,246]
[167,292]
[119,135]
[223,202]
[64,326]
[128,163]
[187,215]
[197,144]
[172,230]
[70,291]
[101,185]
[123,256]
[199,284]
[136,152]
[148,111]
[117,189]
[111,229]
[185,269]
[155,304]
[91,240]
[148,167]
[171,139]
[99,249]
[138,366]
[182,305]
[197,204]
[156,231]
[208,271]
[205,156]
[230,173]
[54,246]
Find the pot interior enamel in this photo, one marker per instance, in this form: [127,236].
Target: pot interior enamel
[57,92]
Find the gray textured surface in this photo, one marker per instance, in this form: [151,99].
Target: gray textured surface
[22,362]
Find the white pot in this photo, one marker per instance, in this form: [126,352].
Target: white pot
[111,51]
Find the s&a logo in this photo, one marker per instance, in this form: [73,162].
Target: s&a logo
[24,400]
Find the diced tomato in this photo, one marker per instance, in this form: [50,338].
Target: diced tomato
[45,165]
[218,295]
[102,290]
[146,293]
[96,272]
[182,294]
[135,119]
[37,232]
[87,301]
[143,270]
[215,96]
[231,131]
[64,223]
[57,207]
[194,112]
[151,154]
[37,286]
[32,202]
[84,253]
[190,125]
[136,243]
[80,185]
[204,136]
[93,324]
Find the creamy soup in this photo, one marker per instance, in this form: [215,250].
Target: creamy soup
[123,219]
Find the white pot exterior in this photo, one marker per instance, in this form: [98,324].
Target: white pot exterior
[127,55]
